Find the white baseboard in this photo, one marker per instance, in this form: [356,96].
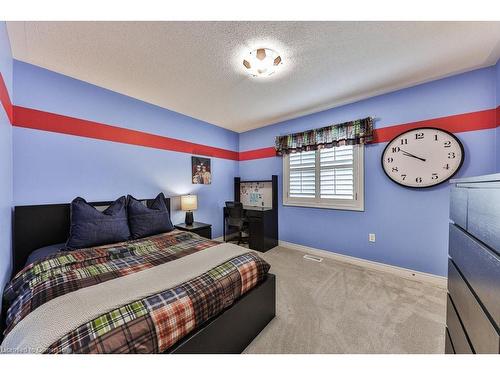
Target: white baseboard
[220,239]
[427,278]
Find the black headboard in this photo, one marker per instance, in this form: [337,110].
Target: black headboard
[42,225]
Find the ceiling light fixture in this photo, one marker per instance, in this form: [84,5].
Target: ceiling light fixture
[262,62]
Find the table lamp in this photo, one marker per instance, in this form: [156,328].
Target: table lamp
[189,203]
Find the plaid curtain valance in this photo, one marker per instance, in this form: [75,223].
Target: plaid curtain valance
[348,133]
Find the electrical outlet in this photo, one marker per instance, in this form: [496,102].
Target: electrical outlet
[371,237]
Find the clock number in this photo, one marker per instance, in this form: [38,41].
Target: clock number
[395,149]
[403,176]
[395,169]
[447,144]
[390,160]
[435,176]
[447,166]
[419,136]
[451,155]
[418,179]
[404,141]
[435,137]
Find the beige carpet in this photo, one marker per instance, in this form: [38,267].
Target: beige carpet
[334,307]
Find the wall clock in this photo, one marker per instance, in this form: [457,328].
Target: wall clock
[422,157]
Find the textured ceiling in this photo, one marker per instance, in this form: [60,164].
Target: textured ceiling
[195,68]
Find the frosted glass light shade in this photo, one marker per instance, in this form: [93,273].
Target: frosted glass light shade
[262,62]
[189,202]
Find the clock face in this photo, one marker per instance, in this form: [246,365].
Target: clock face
[422,157]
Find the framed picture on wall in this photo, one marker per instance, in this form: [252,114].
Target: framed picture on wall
[201,170]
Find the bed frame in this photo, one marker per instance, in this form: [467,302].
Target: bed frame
[229,332]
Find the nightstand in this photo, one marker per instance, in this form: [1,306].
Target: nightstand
[201,229]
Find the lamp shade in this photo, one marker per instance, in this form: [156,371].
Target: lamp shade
[189,202]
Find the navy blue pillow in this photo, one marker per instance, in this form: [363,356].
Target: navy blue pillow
[44,252]
[147,221]
[90,227]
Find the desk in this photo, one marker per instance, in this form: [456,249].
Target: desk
[262,227]
[257,208]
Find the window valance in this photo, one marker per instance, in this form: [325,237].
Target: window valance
[348,133]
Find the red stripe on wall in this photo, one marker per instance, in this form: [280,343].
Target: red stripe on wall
[455,124]
[487,119]
[40,120]
[5,99]
[46,121]
[260,153]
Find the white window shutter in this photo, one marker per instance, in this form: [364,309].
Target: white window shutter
[337,173]
[327,178]
[302,169]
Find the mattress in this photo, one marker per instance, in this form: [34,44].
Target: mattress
[138,296]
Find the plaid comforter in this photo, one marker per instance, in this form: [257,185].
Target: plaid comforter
[150,325]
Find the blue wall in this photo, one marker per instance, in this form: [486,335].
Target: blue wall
[5,163]
[411,225]
[497,82]
[51,167]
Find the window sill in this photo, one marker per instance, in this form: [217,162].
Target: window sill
[347,207]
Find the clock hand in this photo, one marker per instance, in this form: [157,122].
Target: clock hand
[405,153]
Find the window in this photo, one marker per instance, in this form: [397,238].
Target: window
[326,178]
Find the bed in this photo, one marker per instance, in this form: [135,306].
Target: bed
[174,292]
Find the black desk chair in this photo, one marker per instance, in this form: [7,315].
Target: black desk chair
[235,220]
